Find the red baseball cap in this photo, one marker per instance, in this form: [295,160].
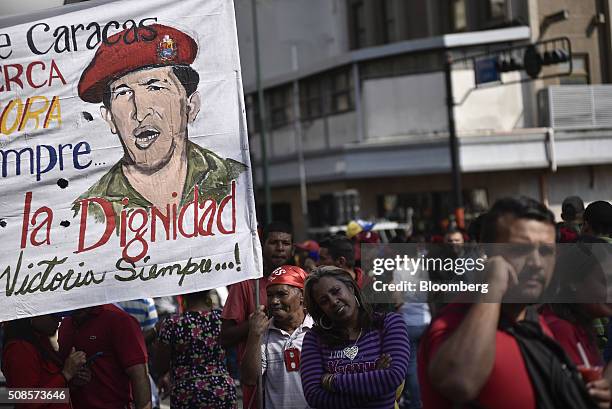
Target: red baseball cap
[290,275]
[115,57]
[308,245]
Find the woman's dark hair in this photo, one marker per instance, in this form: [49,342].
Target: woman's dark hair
[198,296]
[337,335]
[599,216]
[22,330]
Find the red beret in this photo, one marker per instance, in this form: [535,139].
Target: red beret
[290,275]
[115,57]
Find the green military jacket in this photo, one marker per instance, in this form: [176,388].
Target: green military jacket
[205,169]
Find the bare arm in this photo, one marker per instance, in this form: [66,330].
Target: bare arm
[233,333]
[141,388]
[463,363]
[250,368]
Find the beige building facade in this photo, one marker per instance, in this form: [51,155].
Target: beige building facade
[373,122]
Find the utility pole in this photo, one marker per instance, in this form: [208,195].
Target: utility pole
[488,68]
[264,163]
[262,117]
[453,144]
[297,118]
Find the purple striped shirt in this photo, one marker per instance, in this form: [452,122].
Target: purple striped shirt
[357,383]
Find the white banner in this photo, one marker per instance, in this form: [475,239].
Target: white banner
[124,156]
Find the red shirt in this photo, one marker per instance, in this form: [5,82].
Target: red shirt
[508,386]
[117,335]
[568,335]
[23,366]
[239,305]
[362,279]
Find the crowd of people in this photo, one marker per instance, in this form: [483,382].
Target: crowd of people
[313,338]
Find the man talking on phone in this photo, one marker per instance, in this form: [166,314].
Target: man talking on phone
[498,353]
[274,344]
[116,376]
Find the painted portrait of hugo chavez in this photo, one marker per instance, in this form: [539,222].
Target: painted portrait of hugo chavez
[148,92]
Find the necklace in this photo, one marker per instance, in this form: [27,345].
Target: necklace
[351,352]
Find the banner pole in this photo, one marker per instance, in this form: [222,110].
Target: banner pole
[259,378]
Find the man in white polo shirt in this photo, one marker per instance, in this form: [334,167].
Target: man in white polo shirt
[274,344]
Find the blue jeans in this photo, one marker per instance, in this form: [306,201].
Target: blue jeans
[412,394]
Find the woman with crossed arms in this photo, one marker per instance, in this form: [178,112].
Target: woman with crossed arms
[352,357]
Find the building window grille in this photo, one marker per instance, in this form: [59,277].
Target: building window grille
[312,99]
[327,94]
[357,23]
[279,101]
[341,91]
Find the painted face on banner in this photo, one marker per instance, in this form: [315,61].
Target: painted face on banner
[150,110]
